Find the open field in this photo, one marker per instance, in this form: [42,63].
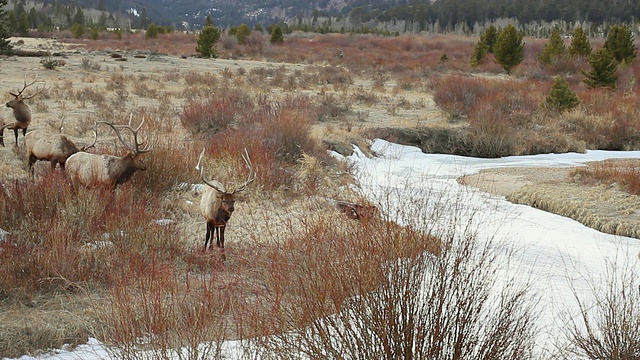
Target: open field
[100,260]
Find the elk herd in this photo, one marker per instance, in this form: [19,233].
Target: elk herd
[86,169]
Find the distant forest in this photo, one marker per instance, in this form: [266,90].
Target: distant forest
[397,15]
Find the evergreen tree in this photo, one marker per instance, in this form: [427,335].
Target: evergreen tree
[509,48]
[94,33]
[554,48]
[151,32]
[485,45]
[603,70]
[580,45]
[489,38]
[208,21]
[78,18]
[207,42]
[620,44]
[5,45]
[242,33]
[78,30]
[478,53]
[561,97]
[276,35]
[23,25]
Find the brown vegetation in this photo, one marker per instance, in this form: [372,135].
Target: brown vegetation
[293,256]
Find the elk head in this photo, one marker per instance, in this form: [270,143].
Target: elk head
[131,162]
[21,111]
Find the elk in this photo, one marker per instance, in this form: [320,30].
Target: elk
[21,111]
[217,204]
[108,170]
[55,148]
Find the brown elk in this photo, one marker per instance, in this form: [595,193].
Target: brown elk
[217,204]
[94,169]
[21,111]
[55,148]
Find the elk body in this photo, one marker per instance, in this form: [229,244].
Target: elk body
[55,148]
[217,205]
[108,170]
[21,112]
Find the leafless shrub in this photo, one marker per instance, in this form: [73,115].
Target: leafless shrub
[118,84]
[387,297]
[608,323]
[90,64]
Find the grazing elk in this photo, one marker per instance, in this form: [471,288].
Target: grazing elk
[55,148]
[21,112]
[89,169]
[217,204]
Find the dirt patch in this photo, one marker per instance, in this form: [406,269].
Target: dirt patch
[604,207]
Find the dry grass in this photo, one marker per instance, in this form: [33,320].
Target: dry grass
[287,241]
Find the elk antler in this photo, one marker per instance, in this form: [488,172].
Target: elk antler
[24,87]
[135,150]
[95,139]
[217,186]
[213,185]
[252,174]
[200,159]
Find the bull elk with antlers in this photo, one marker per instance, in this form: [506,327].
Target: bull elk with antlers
[21,111]
[87,169]
[55,148]
[217,203]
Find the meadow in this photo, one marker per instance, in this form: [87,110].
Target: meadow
[127,267]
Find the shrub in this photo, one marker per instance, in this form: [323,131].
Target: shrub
[52,64]
[456,94]
[215,113]
[608,326]
[561,97]
[385,296]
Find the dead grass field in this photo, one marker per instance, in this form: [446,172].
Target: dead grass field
[350,99]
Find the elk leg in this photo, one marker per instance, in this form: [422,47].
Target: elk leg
[15,131]
[208,236]
[221,242]
[32,160]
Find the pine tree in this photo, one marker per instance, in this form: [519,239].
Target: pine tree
[276,35]
[5,45]
[489,38]
[485,45]
[561,97]
[207,42]
[580,45]
[478,53]
[151,31]
[603,70]
[509,48]
[242,33]
[554,48]
[620,44]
